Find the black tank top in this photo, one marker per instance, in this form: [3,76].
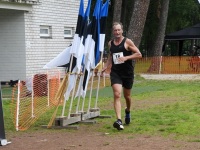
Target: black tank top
[125,68]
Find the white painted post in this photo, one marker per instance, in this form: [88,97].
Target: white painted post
[18,102]
[32,99]
[48,85]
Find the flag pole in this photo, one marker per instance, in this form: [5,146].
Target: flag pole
[79,96]
[91,91]
[89,102]
[83,102]
[3,140]
[70,67]
[79,90]
[97,93]
[72,98]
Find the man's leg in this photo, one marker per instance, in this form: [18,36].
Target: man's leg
[117,96]
[127,96]
[117,105]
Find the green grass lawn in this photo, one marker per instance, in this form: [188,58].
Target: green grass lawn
[165,108]
[6,91]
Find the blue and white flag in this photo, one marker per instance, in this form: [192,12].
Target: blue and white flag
[88,43]
[79,44]
[60,60]
[74,50]
[83,35]
[82,53]
[103,17]
[92,45]
[95,40]
[77,36]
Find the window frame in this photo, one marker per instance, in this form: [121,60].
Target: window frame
[45,35]
[68,35]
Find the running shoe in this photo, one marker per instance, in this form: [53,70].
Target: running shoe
[127,117]
[118,124]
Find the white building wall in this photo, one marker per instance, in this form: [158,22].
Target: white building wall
[54,13]
[12,45]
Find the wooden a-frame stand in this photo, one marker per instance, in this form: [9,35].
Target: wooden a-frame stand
[63,122]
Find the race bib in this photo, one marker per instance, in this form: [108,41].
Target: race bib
[116,56]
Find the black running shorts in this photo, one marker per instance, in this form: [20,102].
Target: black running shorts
[125,81]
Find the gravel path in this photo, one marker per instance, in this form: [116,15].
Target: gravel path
[171,76]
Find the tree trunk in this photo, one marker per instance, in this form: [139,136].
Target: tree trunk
[138,19]
[157,46]
[117,10]
[123,14]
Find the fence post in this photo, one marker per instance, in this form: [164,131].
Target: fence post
[18,102]
[3,140]
[160,65]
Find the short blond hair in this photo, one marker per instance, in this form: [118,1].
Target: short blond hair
[117,23]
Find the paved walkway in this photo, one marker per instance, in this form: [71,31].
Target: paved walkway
[171,76]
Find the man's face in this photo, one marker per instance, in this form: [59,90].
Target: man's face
[117,31]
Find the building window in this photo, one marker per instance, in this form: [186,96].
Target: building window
[45,31]
[68,32]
